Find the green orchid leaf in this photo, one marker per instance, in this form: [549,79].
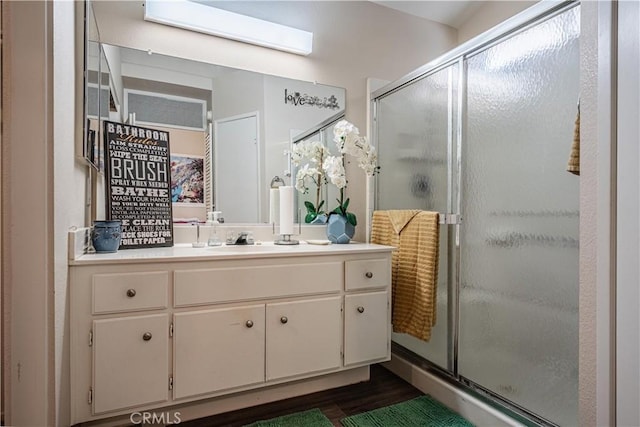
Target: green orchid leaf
[310,207]
[351,219]
[320,205]
[346,205]
[310,217]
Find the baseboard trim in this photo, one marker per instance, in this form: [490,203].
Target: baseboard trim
[471,408]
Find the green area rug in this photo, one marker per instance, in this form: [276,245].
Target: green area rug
[311,418]
[422,411]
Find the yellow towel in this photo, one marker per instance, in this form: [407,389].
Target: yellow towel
[415,234]
[573,165]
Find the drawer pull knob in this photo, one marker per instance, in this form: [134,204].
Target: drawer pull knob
[131,293]
[147,336]
[284,320]
[361,309]
[368,275]
[249,324]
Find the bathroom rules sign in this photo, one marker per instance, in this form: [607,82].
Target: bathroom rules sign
[138,184]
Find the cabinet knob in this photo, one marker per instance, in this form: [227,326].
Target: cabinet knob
[284,319]
[131,293]
[360,309]
[368,275]
[249,324]
[147,336]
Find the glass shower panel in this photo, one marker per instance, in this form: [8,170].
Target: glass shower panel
[413,141]
[520,209]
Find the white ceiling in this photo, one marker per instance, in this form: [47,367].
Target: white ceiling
[450,12]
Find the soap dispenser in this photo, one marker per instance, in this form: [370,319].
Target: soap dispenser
[212,222]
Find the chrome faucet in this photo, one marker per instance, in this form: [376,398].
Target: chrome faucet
[243,238]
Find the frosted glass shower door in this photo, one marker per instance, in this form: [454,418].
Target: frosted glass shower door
[415,142]
[520,209]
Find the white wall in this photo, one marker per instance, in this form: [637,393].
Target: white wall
[26,207]
[38,149]
[628,212]
[597,404]
[488,15]
[69,175]
[352,41]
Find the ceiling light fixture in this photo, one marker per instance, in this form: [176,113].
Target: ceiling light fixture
[210,20]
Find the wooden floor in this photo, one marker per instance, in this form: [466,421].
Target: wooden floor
[383,389]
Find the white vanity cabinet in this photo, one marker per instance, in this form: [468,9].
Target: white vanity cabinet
[303,337]
[131,362]
[367,285]
[204,332]
[218,349]
[363,322]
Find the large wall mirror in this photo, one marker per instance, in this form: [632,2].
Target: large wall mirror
[231,126]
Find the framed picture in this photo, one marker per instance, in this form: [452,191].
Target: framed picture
[138,184]
[187,179]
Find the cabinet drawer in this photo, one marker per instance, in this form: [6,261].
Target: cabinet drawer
[113,293]
[367,273]
[199,287]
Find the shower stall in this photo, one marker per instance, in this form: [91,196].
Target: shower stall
[483,135]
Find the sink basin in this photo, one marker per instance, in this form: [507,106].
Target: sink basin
[270,246]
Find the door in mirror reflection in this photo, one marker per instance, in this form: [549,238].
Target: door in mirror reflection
[236,168]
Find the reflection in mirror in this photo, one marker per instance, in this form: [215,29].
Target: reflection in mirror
[92,103]
[239,123]
[90,84]
[314,196]
[101,102]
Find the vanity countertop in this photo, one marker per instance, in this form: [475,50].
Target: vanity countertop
[185,252]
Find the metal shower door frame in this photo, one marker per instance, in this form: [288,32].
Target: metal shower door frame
[530,17]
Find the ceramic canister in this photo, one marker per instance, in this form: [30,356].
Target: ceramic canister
[106,235]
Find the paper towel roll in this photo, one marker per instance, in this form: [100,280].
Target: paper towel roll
[274,205]
[286,210]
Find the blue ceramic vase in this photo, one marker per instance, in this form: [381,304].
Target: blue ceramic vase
[339,230]
[106,235]
[320,219]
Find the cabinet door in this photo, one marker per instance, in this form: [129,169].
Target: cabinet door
[130,362]
[218,349]
[303,336]
[366,327]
